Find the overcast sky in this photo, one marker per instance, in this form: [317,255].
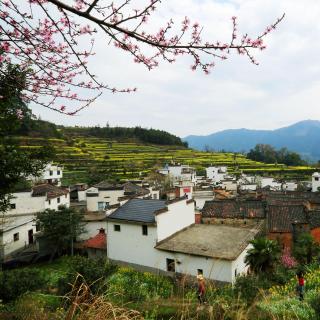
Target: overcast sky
[283,89]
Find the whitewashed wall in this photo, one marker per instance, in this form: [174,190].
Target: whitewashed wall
[179,215]
[238,266]
[130,246]
[53,204]
[110,196]
[22,227]
[25,203]
[315,181]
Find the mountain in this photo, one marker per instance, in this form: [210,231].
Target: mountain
[302,137]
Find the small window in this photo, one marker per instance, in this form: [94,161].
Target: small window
[38,227]
[49,201]
[235,272]
[316,178]
[58,200]
[116,227]
[145,230]
[58,172]
[171,267]
[16,236]
[12,205]
[51,172]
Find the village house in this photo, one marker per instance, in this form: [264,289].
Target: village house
[161,236]
[216,174]
[18,226]
[315,182]
[105,194]
[179,172]
[51,174]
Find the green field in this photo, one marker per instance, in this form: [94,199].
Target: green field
[84,156]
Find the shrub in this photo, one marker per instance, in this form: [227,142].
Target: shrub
[131,285]
[16,282]
[94,272]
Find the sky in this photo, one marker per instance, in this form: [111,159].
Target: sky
[282,90]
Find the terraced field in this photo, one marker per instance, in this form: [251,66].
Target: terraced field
[84,156]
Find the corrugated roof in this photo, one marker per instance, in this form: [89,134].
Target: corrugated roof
[138,210]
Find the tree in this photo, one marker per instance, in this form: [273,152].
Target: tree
[305,248]
[43,36]
[60,228]
[15,164]
[263,254]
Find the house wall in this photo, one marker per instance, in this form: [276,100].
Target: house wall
[110,196]
[180,214]
[230,185]
[238,266]
[252,187]
[9,244]
[315,182]
[216,174]
[285,238]
[82,195]
[316,234]
[130,246]
[25,203]
[53,203]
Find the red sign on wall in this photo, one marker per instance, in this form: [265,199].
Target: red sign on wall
[186,190]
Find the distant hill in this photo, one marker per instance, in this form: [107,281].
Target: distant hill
[302,137]
[44,129]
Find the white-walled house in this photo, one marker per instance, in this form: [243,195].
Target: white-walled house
[179,172]
[161,237]
[216,174]
[315,181]
[104,194]
[17,225]
[200,196]
[16,233]
[52,174]
[39,198]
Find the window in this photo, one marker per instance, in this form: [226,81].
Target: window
[65,195]
[155,196]
[58,172]
[49,201]
[12,205]
[58,200]
[171,265]
[316,178]
[16,236]
[235,272]
[100,206]
[38,227]
[145,230]
[116,227]
[50,172]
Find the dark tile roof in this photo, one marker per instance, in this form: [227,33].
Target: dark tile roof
[50,190]
[233,209]
[138,210]
[281,218]
[105,185]
[131,188]
[314,219]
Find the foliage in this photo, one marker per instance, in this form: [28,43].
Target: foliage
[263,255]
[131,285]
[305,248]
[60,228]
[18,281]
[15,164]
[93,272]
[266,153]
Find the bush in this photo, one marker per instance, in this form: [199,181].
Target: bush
[16,282]
[131,285]
[94,273]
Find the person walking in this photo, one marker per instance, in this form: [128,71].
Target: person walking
[201,288]
[300,285]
